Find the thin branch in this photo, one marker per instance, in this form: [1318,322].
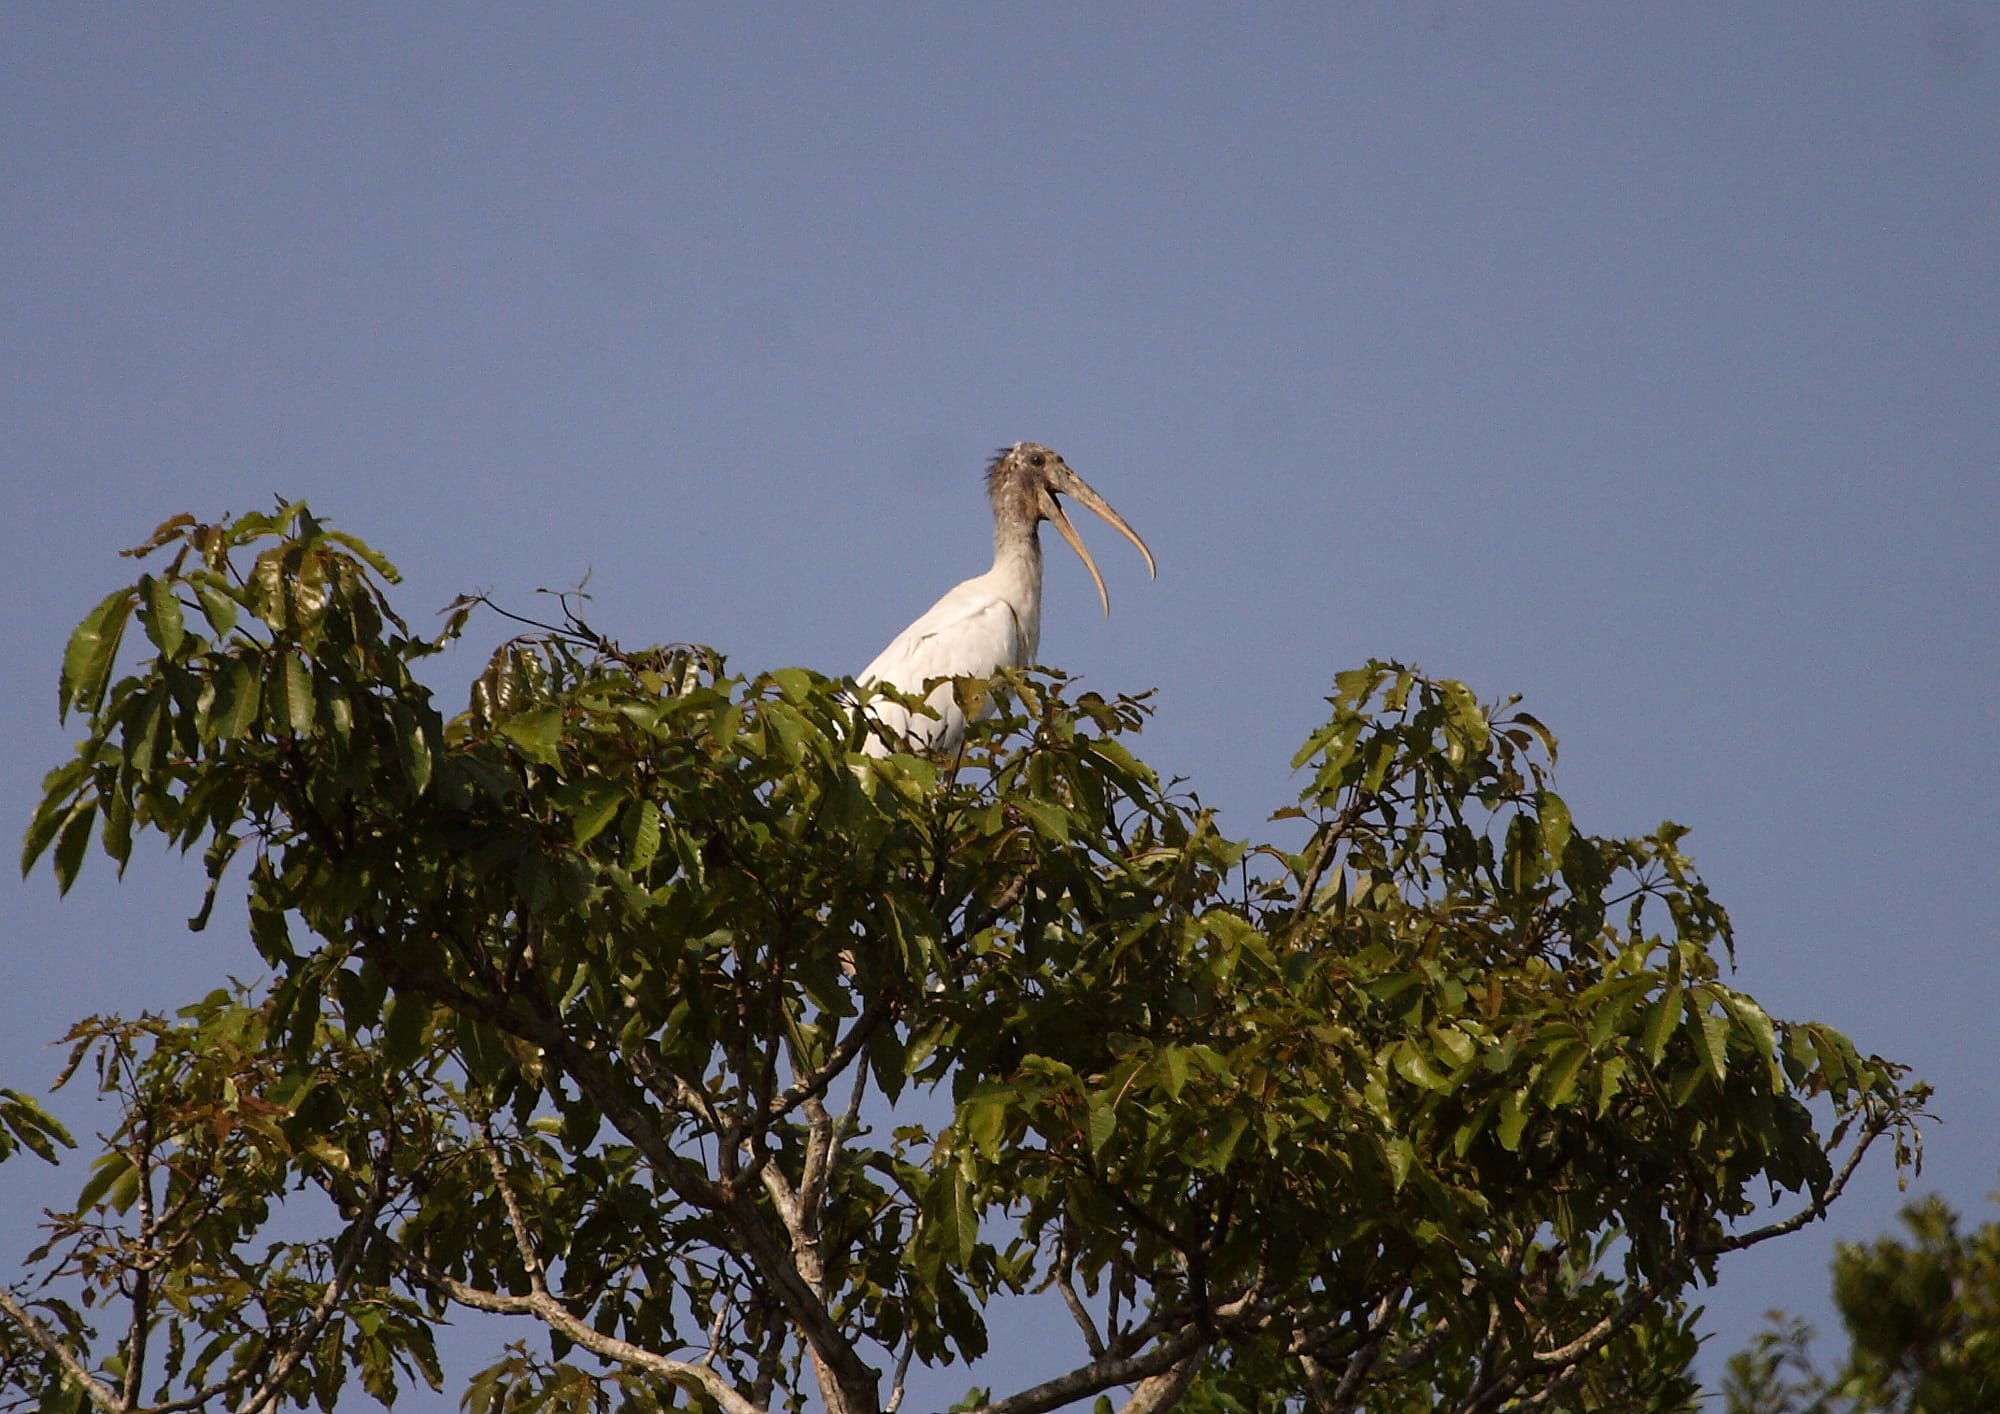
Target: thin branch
[142,1275]
[818,1163]
[812,1085]
[1323,857]
[556,1316]
[1091,1339]
[1875,1129]
[902,1371]
[99,1393]
[1064,1279]
[1367,1349]
[523,1241]
[356,1237]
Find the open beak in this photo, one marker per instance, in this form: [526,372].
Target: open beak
[1052,508]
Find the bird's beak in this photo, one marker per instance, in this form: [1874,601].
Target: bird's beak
[1052,508]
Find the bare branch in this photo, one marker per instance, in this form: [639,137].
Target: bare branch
[813,1084]
[1091,1339]
[1064,1279]
[1366,1350]
[141,1292]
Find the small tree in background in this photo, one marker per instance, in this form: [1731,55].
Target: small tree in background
[638,1004]
[1922,1318]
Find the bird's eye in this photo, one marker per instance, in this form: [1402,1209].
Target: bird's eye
[1038,460]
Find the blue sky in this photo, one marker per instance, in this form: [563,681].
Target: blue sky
[1642,360]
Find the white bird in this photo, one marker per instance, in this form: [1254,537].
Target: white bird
[994,620]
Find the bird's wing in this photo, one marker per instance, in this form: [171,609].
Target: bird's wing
[972,630]
[969,632]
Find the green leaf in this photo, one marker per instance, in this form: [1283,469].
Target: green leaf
[1513,1119]
[1051,821]
[640,829]
[23,1120]
[1401,1156]
[295,683]
[601,802]
[986,1122]
[536,733]
[403,1020]
[1413,1066]
[1559,1080]
[1756,1024]
[413,745]
[1221,1147]
[238,698]
[72,841]
[1102,1120]
[106,1172]
[220,607]
[162,615]
[1711,1039]
[483,1050]
[794,683]
[1661,1020]
[92,649]
[1556,828]
[60,800]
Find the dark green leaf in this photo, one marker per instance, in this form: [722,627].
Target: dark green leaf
[162,614]
[92,649]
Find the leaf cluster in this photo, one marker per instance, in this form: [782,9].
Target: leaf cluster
[639,1002]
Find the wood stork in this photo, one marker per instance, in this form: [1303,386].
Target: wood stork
[994,620]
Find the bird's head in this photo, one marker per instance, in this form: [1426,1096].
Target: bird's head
[1025,481]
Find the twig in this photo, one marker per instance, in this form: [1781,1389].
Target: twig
[356,1237]
[902,1370]
[530,1259]
[99,1393]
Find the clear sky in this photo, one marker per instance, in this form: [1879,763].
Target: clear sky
[1644,360]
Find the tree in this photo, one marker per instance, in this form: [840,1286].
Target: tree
[637,1003]
[1922,1319]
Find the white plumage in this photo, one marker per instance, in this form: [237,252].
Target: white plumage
[995,619]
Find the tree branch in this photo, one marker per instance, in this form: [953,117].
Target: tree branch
[523,1242]
[556,1316]
[812,1085]
[595,1078]
[99,1393]
[1873,1131]
[356,1237]
[1157,1393]
[1099,1375]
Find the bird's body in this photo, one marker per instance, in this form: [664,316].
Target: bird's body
[993,620]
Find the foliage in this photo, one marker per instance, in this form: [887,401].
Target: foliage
[1922,1319]
[638,1003]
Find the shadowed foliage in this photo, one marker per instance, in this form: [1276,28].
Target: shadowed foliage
[745,1069]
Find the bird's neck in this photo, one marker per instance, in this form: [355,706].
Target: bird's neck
[1017,550]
